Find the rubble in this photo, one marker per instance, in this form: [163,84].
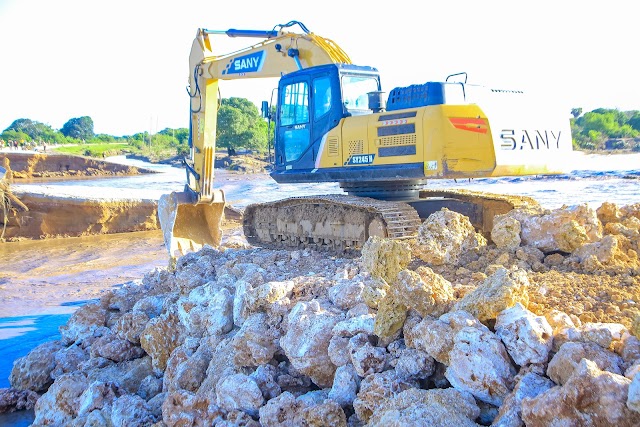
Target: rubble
[447,330]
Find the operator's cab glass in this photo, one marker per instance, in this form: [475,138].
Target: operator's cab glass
[294,118]
[354,93]
[321,96]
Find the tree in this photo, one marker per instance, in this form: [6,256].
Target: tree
[14,135]
[37,131]
[575,112]
[634,121]
[79,128]
[240,125]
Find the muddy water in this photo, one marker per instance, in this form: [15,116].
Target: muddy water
[40,276]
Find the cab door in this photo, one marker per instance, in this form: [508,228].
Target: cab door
[294,127]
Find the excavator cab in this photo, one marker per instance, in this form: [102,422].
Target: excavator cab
[313,101]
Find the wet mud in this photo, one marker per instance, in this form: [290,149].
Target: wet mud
[55,276]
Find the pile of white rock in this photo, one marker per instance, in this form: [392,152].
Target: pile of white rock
[244,336]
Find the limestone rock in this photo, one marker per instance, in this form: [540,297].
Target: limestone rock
[606,335]
[68,359]
[306,341]
[113,348]
[266,378]
[608,251]
[363,324]
[83,322]
[346,294]
[132,411]
[633,397]
[435,407]
[589,397]
[160,337]
[128,375]
[339,350]
[345,385]
[424,291]
[260,297]
[187,366]
[12,400]
[33,371]
[479,364]
[311,409]
[385,258]
[130,326]
[506,232]
[375,290]
[565,361]
[150,387]
[98,395]
[376,388]
[500,291]
[609,212]
[410,363]
[527,337]
[239,392]
[390,317]
[445,235]
[529,385]
[366,358]
[563,229]
[436,336]
[628,348]
[195,269]
[222,355]
[256,342]
[59,405]
[150,306]
[182,408]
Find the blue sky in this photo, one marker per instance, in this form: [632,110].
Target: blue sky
[125,63]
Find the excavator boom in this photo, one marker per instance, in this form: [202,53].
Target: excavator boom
[193,217]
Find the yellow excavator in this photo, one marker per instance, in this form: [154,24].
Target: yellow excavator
[333,123]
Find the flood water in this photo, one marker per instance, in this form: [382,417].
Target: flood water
[595,178]
[66,269]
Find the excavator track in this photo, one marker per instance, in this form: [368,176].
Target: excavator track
[336,223]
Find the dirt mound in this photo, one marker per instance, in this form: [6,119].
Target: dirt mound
[243,163]
[39,165]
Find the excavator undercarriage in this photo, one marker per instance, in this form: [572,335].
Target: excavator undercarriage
[341,224]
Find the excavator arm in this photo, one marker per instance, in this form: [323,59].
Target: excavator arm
[193,217]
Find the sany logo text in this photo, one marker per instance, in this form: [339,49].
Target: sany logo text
[529,139]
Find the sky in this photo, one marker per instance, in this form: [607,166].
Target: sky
[124,63]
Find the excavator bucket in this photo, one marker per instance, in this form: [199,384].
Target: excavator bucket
[187,226]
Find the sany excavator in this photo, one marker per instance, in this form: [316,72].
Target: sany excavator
[333,124]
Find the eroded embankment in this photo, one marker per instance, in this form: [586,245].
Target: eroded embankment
[66,217]
[40,165]
[36,216]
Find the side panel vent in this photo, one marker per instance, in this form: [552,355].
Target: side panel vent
[356,147]
[332,147]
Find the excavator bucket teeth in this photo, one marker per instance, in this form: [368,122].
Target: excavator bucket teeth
[186,226]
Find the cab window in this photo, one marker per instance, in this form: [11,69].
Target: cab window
[321,96]
[294,108]
[355,90]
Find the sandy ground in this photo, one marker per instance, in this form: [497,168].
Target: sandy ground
[51,276]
